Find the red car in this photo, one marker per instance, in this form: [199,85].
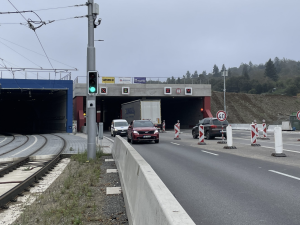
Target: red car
[142,130]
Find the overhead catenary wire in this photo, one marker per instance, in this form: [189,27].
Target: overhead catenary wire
[21,54]
[36,10]
[37,53]
[31,26]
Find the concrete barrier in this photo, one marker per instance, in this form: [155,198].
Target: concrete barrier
[147,199]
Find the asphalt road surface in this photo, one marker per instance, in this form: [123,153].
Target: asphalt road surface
[225,186]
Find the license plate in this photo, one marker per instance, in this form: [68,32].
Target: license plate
[147,137]
[123,132]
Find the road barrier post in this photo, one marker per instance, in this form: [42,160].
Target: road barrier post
[229,138]
[201,135]
[164,127]
[278,143]
[256,128]
[253,135]
[177,130]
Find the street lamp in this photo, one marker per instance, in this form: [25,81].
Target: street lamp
[224,74]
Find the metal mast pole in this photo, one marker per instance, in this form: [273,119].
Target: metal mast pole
[91,111]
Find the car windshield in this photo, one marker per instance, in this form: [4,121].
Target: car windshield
[145,123]
[217,122]
[121,124]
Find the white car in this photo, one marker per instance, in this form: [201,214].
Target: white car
[119,127]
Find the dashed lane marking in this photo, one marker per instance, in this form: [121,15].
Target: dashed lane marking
[283,174]
[209,152]
[174,143]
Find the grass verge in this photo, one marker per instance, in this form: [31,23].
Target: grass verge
[76,196]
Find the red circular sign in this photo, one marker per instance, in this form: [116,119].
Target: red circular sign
[221,115]
[178,90]
[298,115]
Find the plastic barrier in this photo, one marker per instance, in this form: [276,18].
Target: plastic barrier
[278,143]
[147,199]
[229,138]
[201,135]
[264,130]
[253,135]
[256,130]
[177,130]
[164,127]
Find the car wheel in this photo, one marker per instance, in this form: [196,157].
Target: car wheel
[157,141]
[128,138]
[132,141]
[194,135]
[207,135]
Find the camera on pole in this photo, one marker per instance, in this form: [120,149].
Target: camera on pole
[92,82]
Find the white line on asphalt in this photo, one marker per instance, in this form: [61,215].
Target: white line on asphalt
[174,143]
[3,140]
[27,147]
[209,152]
[297,178]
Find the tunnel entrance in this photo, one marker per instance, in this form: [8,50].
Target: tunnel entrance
[185,109]
[29,111]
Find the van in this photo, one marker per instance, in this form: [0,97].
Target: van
[119,127]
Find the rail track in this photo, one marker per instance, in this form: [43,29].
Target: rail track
[24,185]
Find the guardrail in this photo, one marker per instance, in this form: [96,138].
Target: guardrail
[147,199]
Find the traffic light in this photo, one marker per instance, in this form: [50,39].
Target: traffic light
[167,90]
[188,91]
[93,82]
[125,90]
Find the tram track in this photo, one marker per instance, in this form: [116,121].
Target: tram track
[1,154]
[24,185]
[8,142]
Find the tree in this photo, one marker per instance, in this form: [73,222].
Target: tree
[291,90]
[250,66]
[277,64]
[270,70]
[204,73]
[223,68]
[216,72]
[245,72]
[188,75]
[195,74]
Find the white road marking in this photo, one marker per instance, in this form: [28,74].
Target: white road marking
[174,143]
[27,147]
[273,171]
[3,140]
[209,152]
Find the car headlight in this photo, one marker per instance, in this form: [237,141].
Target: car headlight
[116,129]
[135,132]
[156,132]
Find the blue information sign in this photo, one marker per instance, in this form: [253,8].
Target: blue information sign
[140,80]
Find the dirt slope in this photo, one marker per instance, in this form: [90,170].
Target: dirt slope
[244,108]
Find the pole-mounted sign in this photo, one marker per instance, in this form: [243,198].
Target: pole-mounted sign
[298,115]
[221,115]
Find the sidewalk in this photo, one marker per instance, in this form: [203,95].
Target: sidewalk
[105,143]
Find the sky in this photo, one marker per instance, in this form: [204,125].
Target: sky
[150,38]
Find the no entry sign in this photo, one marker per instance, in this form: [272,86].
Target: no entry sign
[221,115]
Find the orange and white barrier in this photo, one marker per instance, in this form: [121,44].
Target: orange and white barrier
[256,129]
[264,130]
[201,135]
[164,126]
[253,135]
[177,130]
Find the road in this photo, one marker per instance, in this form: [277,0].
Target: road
[218,186]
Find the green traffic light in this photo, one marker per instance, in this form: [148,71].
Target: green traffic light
[92,89]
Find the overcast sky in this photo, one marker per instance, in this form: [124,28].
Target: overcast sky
[153,38]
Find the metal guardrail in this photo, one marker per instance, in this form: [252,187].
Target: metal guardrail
[37,76]
[148,80]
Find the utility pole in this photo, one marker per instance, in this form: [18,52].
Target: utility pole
[224,74]
[91,99]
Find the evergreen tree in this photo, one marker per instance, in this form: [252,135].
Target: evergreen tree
[270,70]
[216,71]
[245,72]
[250,66]
[204,73]
[277,64]
[223,68]
[195,74]
[188,75]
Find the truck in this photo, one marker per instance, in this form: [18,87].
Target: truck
[142,110]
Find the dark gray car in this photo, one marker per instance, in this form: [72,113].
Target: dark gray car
[212,128]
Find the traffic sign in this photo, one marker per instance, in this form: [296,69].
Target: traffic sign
[298,115]
[221,115]
[178,90]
